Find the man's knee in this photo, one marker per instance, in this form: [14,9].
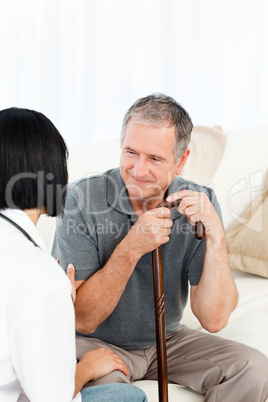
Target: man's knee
[253,367]
[257,366]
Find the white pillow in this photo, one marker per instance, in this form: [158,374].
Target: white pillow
[207,147]
[240,175]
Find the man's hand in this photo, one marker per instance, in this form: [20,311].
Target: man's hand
[150,231]
[197,207]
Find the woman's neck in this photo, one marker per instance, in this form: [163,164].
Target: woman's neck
[34,214]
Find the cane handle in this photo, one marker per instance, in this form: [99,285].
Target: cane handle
[199,227]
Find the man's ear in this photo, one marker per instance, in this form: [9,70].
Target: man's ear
[181,162]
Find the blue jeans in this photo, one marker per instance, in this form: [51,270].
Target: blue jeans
[113,393]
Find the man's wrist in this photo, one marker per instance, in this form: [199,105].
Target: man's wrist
[128,250]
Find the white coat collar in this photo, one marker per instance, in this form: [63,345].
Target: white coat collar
[23,220]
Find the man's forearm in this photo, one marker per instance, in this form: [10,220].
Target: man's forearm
[215,297]
[98,296]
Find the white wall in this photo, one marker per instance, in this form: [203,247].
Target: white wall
[84,62]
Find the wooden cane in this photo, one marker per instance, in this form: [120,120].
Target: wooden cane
[160,309]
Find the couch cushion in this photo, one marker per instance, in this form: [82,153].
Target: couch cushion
[241,171]
[207,147]
[247,239]
[175,392]
[88,158]
[248,322]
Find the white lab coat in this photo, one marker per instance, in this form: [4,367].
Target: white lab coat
[37,322]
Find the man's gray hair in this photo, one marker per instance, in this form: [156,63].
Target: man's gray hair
[161,110]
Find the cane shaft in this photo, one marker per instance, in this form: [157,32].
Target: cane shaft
[160,309]
[160,326]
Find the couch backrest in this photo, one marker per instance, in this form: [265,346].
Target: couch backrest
[241,174]
[233,163]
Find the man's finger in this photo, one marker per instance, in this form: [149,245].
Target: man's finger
[162,212]
[180,195]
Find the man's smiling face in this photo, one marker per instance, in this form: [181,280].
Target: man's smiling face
[147,163]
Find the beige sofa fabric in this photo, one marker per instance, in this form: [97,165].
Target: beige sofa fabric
[207,147]
[247,239]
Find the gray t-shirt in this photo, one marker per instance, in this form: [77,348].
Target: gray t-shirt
[98,215]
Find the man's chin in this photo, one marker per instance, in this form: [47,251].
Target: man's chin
[149,197]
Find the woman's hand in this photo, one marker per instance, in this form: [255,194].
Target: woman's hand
[95,364]
[70,274]
[101,362]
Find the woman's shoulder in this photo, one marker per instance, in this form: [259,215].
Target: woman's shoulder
[31,268]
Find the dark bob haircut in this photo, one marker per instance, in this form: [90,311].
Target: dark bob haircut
[33,162]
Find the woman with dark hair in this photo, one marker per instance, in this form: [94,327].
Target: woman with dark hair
[37,329]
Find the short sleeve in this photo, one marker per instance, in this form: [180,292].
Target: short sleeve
[73,242]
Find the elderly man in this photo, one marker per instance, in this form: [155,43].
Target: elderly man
[111,225]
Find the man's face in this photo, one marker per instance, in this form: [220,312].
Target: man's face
[147,163]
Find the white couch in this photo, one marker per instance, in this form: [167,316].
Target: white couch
[234,165]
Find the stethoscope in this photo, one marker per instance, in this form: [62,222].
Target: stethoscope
[19,228]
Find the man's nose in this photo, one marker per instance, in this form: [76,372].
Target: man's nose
[140,169]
